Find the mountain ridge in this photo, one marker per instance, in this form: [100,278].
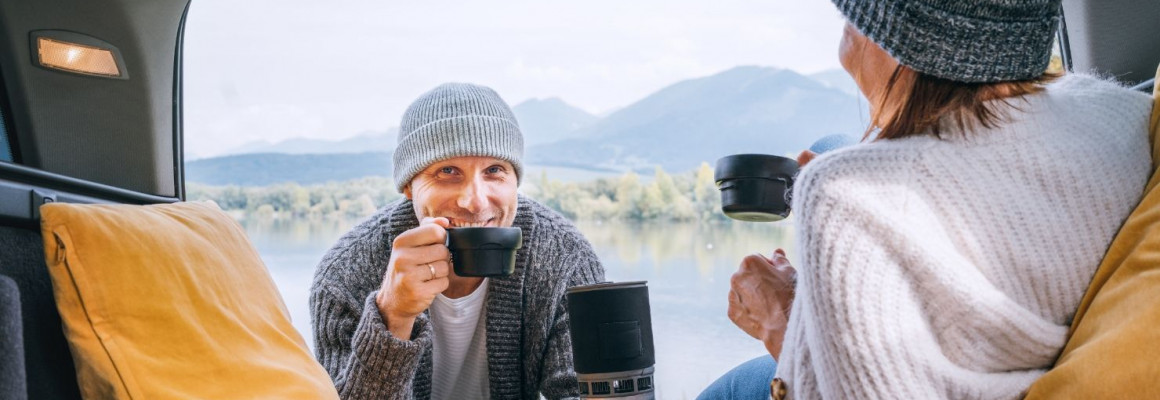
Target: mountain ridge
[260,169]
[743,109]
[360,143]
[550,120]
[747,109]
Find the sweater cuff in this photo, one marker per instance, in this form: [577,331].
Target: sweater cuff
[385,358]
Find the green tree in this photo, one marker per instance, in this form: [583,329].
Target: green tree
[706,197]
[628,195]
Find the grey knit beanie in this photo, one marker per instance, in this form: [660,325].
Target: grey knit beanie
[456,120]
[961,40]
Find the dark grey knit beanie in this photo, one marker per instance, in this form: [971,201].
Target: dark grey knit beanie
[456,120]
[961,40]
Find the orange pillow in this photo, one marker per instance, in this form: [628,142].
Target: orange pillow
[171,301]
[1114,348]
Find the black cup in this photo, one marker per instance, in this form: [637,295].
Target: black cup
[612,339]
[484,251]
[755,187]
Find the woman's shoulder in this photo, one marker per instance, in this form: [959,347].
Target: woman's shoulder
[872,160]
[874,170]
[1086,114]
[1092,89]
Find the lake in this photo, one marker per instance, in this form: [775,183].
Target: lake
[687,267]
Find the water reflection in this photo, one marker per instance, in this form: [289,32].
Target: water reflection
[687,266]
[662,243]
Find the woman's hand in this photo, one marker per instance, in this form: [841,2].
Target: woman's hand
[762,291]
[805,157]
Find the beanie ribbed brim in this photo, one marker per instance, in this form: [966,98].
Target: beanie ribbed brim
[469,135]
[984,45]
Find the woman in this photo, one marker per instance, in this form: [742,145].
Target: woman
[945,257]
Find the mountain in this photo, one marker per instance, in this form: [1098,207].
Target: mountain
[365,142]
[741,110]
[270,168]
[550,120]
[541,121]
[838,79]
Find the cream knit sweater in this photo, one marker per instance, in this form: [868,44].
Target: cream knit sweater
[952,268]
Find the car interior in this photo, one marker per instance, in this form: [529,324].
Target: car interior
[109,131]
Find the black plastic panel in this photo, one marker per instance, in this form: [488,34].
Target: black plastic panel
[23,190]
[1114,37]
[118,132]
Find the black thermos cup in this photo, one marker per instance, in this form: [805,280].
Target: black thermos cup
[612,341]
[759,187]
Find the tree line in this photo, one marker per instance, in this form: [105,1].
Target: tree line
[348,199]
[682,197]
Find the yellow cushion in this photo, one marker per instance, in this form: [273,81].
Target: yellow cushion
[1114,348]
[171,301]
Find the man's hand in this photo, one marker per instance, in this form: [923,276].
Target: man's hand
[761,294]
[417,272]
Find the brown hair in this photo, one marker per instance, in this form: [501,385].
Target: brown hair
[925,100]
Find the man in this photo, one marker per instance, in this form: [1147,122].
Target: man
[391,318]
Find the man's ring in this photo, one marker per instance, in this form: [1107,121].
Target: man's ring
[432,268]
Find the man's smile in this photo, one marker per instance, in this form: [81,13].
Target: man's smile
[460,223]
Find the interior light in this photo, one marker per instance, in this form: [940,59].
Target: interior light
[78,58]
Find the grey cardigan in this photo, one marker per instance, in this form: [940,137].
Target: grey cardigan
[528,344]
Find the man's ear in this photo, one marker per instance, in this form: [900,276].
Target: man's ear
[407,191]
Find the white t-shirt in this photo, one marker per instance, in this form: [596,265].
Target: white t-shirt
[459,346]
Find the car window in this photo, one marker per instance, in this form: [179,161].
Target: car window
[5,145]
[624,115]
[1056,65]
[6,150]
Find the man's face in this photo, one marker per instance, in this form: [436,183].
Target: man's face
[468,191]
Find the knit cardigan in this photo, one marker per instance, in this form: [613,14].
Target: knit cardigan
[528,343]
[951,268]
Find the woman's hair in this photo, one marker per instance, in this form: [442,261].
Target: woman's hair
[924,101]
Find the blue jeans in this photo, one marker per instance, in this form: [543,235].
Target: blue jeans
[744,382]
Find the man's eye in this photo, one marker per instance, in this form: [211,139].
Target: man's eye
[447,170]
[495,169]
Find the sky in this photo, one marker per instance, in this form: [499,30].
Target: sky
[273,70]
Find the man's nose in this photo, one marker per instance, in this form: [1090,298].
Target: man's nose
[473,198]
